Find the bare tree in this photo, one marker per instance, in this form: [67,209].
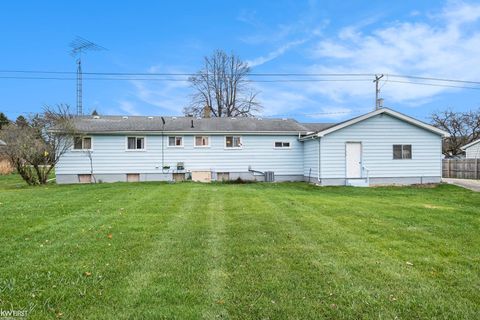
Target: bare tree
[35,146]
[222,88]
[463,127]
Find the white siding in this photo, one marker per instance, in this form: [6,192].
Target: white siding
[310,158]
[473,152]
[378,135]
[109,156]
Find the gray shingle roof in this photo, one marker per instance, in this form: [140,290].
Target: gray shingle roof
[89,124]
[317,126]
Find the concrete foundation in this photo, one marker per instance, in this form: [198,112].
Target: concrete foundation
[380,181]
[119,177]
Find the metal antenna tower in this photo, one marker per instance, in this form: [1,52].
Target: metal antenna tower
[377,91]
[79,46]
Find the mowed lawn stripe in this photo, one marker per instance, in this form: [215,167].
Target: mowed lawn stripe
[261,258]
[72,253]
[366,260]
[171,278]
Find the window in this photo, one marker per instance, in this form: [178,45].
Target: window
[175,141]
[402,151]
[82,143]
[202,141]
[279,144]
[135,143]
[233,142]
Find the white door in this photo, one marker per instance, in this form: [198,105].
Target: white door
[353,161]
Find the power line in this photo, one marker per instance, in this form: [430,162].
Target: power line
[190,74]
[434,84]
[433,79]
[252,81]
[176,79]
[250,74]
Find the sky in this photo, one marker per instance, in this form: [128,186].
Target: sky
[422,38]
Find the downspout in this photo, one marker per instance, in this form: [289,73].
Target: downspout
[319,160]
[163,141]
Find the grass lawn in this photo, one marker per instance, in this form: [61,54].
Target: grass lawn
[253,251]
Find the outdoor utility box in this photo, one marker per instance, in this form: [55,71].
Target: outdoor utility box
[180,166]
[269,176]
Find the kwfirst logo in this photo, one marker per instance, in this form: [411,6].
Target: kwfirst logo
[13,314]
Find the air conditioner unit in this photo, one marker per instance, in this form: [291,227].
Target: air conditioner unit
[269,176]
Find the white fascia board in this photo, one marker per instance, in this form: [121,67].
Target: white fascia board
[470,144]
[390,112]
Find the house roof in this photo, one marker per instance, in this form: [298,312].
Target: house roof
[316,127]
[103,124]
[126,124]
[390,112]
[470,144]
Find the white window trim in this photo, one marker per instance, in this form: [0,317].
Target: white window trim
[83,150]
[175,146]
[402,158]
[232,148]
[136,150]
[282,148]
[205,146]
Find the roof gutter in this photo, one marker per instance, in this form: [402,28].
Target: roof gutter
[193,132]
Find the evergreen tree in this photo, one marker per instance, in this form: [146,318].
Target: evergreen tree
[21,121]
[3,120]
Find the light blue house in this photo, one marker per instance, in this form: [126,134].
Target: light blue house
[381,147]
[472,150]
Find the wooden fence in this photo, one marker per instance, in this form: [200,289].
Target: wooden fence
[461,168]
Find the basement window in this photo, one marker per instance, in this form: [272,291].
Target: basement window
[202,141]
[82,143]
[402,151]
[282,145]
[233,142]
[135,143]
[175,141]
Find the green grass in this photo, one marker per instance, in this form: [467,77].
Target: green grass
[253,251]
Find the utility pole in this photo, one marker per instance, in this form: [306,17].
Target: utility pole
[377,90]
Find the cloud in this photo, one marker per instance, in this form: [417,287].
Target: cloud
[129,108]
[460,12]
[249,17]
[275,54]
[445,45]
[330,112]
[168,97]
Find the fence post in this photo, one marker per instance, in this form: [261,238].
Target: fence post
[449,168]
[476,168]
